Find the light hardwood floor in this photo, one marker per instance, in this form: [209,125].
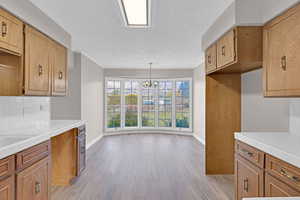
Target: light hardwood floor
[147,167]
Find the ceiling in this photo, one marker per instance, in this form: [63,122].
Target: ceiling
[173,41]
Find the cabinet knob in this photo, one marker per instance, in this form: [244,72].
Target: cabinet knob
[283,63]
[40,70]
[37,187]
[223,50]
[4,29]
[60,76]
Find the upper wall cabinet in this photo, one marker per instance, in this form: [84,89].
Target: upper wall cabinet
[45,65]
[226,50]
[211,58]
[37,63]
[238,51]
[11,33]
[59,69]
[281,55]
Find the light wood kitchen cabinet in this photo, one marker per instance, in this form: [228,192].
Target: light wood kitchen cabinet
[281,55]
[226,49]
[37,63]
[270,176]
[211,58]
[249,179]
[11,33]
[59,69]
[33,183]
[7,188]
[239,50]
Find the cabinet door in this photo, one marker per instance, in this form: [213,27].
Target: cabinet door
[11,33]
[33,183]
[211,58]
[248,179]
[37,68]
[7,189]
[281,55]
[276,188]
[226,48]
[59,76]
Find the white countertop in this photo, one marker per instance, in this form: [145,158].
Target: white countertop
[14,141]
[284,146]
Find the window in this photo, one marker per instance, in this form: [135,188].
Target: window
[182,104]
[113,92]
[165,104]
[148,107]
[129,105]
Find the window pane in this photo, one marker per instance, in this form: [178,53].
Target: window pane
[131,119]
[114,120]
[165,123]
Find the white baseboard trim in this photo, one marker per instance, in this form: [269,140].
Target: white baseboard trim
[89,145]
[199,139]
[147,132]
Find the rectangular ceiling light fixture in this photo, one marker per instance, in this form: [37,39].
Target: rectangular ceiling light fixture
[136,13]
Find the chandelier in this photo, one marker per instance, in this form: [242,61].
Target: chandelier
[150,83]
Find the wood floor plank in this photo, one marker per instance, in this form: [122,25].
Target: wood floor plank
[147,167]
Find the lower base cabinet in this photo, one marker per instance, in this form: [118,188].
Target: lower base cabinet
[258,174]
[249,179]
[7,189]
[33,183]
[277,188]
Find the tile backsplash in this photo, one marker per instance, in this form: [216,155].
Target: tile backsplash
[21,112]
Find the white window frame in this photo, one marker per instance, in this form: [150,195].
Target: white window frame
[156,127]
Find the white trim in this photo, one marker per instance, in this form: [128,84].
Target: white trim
[90,144]
[199,139]
[148,132]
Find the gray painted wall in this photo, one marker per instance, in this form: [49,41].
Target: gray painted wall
[144,73]
[199,103]
[259,113]
[69,107]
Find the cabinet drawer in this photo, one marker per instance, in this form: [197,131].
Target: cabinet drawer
[7,188]
[29,156]
[276,188]
[250,153]
[283,171]
[211,58]
[7,166]
[249,179]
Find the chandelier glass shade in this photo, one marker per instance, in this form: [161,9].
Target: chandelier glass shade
[150,83]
